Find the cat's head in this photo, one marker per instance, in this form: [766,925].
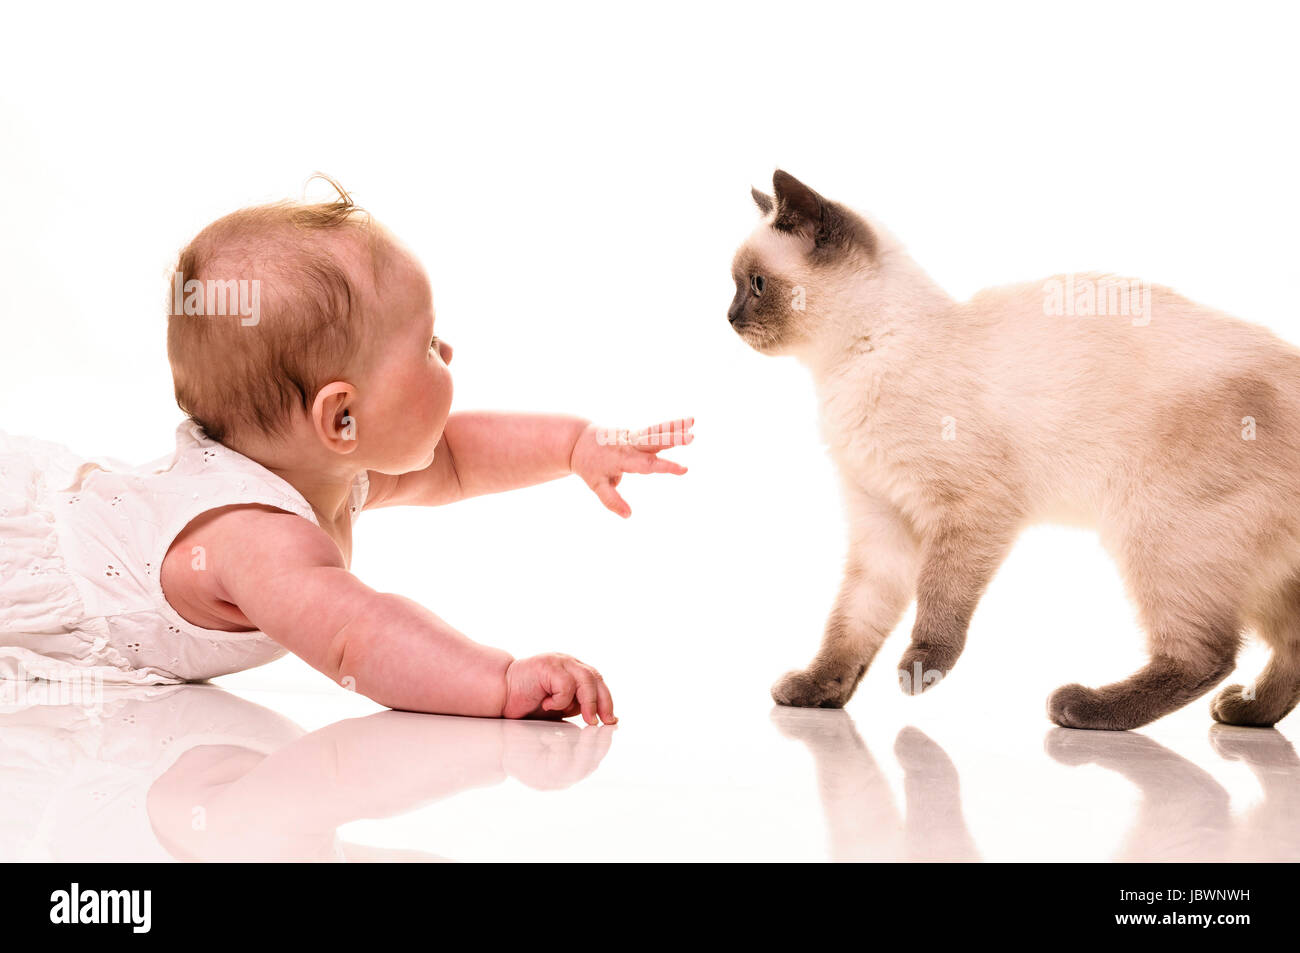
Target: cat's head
[791,273]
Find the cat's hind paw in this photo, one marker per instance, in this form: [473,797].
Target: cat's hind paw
[1233,706]
[1075,706]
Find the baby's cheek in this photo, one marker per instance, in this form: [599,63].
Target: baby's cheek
[437,406]
[449,390]
[443,394]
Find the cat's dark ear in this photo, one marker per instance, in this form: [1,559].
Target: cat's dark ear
[800,208]
[762,200]
[828,224]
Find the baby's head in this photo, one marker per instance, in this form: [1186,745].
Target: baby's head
[303,333]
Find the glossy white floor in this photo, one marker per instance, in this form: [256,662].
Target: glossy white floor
[242,771]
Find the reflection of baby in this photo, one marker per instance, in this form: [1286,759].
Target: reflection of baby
[190,772]
[329,395]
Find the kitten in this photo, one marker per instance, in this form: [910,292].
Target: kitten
[1172,428]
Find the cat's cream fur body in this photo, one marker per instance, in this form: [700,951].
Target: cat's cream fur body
[954,425]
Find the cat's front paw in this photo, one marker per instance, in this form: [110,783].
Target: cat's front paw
[811,688]
[924,665]
[1074,706]
[1235,706]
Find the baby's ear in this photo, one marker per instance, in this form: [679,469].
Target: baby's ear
[762,200]
[829,225]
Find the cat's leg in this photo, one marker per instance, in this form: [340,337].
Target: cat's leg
[957,562]
[1273,696]
[1164,685]
[1186,577]
[1193,646]
[878,578]
[1277,690]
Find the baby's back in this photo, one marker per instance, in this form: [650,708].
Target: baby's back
[84,543]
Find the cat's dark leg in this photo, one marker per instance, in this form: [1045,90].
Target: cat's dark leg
[878,578]
[1193,647]
[1186,587]
[1164,685]
[1273,696]
[957,563]
[1277,690]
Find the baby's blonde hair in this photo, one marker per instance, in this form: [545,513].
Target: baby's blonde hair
[233,376]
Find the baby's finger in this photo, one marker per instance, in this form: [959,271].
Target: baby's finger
[561,685]
[638,462]
[588,696]
[545,715]
[661,465]
[605,702]
[672,433]
[613,502]
[572,709]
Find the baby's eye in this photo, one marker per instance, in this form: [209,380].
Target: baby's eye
[433,345]
[756,284]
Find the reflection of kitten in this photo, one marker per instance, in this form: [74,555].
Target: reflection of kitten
[1175,430]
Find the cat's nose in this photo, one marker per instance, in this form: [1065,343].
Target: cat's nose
[733,314]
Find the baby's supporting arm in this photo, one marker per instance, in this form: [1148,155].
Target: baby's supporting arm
[288,578]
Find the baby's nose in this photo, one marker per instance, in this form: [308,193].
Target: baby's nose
[446,351]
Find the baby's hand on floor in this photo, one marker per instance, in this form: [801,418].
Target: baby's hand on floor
[601,456]
[556,686]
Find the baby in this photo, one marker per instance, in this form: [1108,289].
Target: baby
[303,347]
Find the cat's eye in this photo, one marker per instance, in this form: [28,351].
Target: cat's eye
[756,284]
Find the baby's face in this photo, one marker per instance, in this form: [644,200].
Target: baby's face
[403,402]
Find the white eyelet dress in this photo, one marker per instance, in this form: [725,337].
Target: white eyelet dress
[81,548]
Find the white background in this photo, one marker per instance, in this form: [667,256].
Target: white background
[576,182]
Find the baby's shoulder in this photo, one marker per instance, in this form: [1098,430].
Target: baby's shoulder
[254,532]
[235,538]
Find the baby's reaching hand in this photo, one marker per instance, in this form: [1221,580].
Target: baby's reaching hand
[556,686]
[601,456]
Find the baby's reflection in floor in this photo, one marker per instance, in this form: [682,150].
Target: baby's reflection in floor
[191,772]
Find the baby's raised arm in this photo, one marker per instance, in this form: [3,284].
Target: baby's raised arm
[489,452]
